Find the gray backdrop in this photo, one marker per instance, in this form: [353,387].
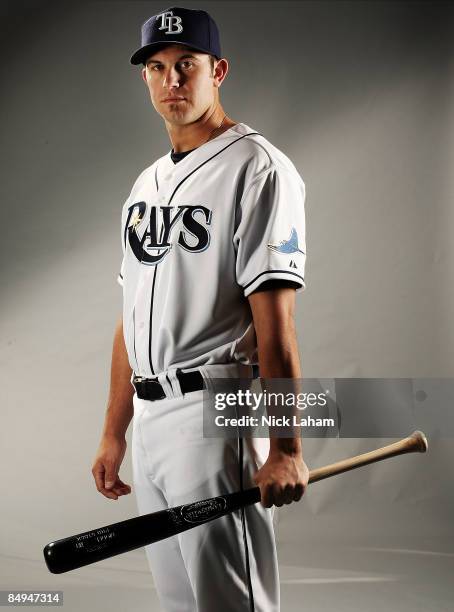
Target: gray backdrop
[359,96]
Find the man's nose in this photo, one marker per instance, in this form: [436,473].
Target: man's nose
[172,78]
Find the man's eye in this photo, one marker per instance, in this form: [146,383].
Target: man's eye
[185,65]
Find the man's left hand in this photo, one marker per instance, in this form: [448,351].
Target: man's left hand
[282,479]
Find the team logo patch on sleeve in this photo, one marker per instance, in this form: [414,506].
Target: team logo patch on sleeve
[287,246]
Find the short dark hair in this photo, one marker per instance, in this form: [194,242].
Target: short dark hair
[212,60]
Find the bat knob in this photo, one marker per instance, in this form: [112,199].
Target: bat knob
[420,441]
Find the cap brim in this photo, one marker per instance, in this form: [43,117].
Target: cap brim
[140,56]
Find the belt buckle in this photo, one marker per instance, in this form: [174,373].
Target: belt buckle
[141,379]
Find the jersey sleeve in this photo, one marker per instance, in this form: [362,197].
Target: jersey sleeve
[270,235]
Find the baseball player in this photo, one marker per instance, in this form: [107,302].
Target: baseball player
[213,239]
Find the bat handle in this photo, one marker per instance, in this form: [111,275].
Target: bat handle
[418,442]
[415,443]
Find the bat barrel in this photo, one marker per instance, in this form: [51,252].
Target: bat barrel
[92,546]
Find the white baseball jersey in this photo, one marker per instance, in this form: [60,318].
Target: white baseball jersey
[198,237]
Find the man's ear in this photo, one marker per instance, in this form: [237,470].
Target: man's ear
[144,74]
[220,71]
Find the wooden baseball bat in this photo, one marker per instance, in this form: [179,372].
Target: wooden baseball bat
[92,546]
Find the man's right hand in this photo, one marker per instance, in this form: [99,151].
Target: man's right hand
[106,466]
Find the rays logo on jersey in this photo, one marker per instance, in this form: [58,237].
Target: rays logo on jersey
[287,246]
[154,244]
[167,20]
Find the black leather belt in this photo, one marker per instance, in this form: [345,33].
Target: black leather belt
[151,389]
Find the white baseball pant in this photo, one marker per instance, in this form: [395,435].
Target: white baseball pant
[229,564]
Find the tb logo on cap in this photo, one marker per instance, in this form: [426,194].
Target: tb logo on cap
[167,20]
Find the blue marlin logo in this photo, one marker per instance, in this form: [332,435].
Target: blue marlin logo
[287,246]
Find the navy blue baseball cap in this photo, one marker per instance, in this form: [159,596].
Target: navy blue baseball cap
[189,27]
